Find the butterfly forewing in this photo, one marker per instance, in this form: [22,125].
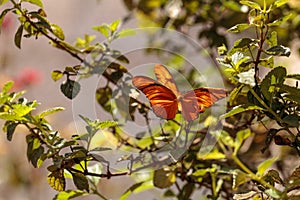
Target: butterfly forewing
[165,78]
[163,101]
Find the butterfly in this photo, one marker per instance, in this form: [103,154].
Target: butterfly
[166,100]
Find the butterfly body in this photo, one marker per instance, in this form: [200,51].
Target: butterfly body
[166,100]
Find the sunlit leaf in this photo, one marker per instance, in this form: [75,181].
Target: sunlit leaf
[50,111]
[239,178]
[57,31]
[114,25]
[137,187]
[35,2]
[251,4]
[57,180]
[163,178]
[239,109]
[238,28]
[279,3]
[261,169]
[69,194]
[125,33]
[240,138]
[7,87]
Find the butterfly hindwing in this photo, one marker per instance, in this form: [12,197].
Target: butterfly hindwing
[195,101]
[163,101]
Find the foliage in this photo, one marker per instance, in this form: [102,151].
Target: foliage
[255,99]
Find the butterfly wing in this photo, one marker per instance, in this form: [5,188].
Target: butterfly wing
[195,101]
[163,101]
[165,78]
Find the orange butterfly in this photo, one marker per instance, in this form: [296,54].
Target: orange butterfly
[166,100]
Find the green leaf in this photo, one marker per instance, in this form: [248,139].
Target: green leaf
[7,87]
[57,180]
[18,36]
[125,33]
[267,62]
[212,155]
[69,194]
[104,29]
[56,75]
[238,28]
[50,111]
[136,188]
[279,50]
[251,4]
[272,82]
[164,178]
[244,42]
[272,39]
[293,93]
[239,178]
[279,3]
[10,129]
[279,21]
[57,31]
[3,14]
[70,88]
[2,2]
[103,97]
[264,166]
[240,138]
[35,2]
[80,181]
[273,193]
[240,109]
[114,25]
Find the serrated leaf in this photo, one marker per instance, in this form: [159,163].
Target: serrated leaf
[18,36]
[251,4]
[238,28]
[240,109]
[57,31]
[163,178]
[35,2]
[57,180]
[69,194]
[70,88]
[264,166]
[279,50]
[51,111]
[80,181]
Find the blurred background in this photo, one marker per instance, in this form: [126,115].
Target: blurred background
[31,68]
